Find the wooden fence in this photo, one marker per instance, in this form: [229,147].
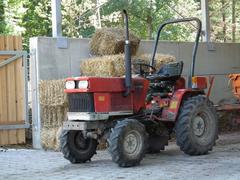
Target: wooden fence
[11,92]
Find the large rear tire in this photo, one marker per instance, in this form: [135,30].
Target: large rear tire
[197,126]
[76,148]
[127,143]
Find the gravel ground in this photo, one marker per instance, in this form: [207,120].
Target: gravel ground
[222,163]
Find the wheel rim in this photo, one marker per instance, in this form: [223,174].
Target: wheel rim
[198,126]
[132,143]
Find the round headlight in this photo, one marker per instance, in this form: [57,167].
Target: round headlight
[83,84]
[70,85]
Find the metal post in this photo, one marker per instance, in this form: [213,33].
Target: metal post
[34,70]
[205,20]
[56,18]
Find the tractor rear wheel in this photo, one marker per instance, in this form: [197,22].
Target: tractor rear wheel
[127,143]
[197,126]
[76,148]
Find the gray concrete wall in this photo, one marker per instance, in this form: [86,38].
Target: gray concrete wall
[57,63]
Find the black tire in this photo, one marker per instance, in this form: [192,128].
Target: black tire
[197,126]
[75,148]
[124,152]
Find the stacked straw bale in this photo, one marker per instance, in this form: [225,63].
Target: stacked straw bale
[108,41]
[113,65]
[104,66]
[160,59]
[53,102]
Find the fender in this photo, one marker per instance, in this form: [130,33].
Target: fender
[171,112]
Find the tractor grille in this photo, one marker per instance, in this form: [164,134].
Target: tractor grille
[81,102]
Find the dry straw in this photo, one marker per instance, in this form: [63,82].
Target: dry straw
[113,65]
[54,105]
[50,138]
[108,41]
[52,93]
[53,102]
[105,66]
[160,59]
[53,116]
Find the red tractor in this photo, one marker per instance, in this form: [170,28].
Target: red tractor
[138,114]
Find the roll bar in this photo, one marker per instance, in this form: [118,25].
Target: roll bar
[194,52]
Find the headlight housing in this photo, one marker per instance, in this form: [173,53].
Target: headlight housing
[70,85]
[83,84]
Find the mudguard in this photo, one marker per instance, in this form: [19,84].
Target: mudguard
[171,112]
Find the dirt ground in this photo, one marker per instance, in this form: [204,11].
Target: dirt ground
[222,163]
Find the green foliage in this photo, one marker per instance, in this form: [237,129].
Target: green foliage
[2,18]
[146,16]
[36,20]
[221,20]
[77,18]
[33,18]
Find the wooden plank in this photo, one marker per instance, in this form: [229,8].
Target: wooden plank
[4,57]
[19,90]
[11,89]
[12,122]
[3,97]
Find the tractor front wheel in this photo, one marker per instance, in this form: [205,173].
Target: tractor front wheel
[76,148]
[197,126]
[127,143]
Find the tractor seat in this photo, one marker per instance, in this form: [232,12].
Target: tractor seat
[171,71]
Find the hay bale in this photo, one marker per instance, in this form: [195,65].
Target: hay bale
[52,93]
[108,41]
[160,59]
[53,103]
[53,116]
[54,106]
[58,134]
[48,138]
[105,66]
[113,65]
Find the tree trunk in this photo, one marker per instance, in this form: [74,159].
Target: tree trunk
[224,30]
[233,20]
[149,28]
[149,22]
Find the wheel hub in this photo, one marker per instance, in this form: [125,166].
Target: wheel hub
[198,126]
[131,143]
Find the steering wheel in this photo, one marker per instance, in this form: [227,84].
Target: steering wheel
[141,71]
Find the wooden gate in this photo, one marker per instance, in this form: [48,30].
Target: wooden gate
[12,109]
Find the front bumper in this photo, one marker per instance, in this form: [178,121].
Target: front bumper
[86,116]
[81,125]
[84,120]
[89,120]
[93,116]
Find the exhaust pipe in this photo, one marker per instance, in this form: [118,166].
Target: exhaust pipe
[127,50]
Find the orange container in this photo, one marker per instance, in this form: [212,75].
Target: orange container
[235,80]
